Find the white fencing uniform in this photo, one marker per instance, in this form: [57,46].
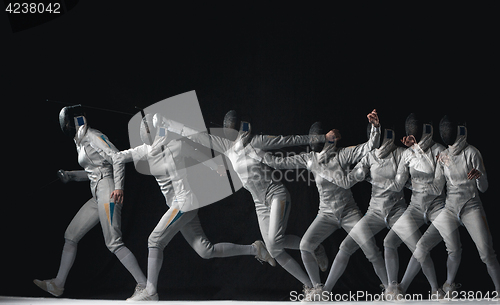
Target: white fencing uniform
[166,159]
[94,155]
[385,207]
[337,208]
[419,163]
[272,200]
[169,169]
[463,205]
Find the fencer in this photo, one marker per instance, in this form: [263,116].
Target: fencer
[106,184]
[418,164]
[385,207]
[166,159]
[461,168]
[271,198]
[337,208]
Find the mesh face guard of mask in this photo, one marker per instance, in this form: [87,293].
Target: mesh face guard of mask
[71,118]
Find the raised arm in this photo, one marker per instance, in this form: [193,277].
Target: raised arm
[352,154]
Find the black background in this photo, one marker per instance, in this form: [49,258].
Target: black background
[286,66]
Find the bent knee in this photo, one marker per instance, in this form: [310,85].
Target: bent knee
[71,238]
[114,244]
[454,252]
[69,235]
[274,248]
[305,245]
[392,243]
[205,252]
[489,258]
[349,245]
[372,254]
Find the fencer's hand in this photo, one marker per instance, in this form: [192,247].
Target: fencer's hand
[117,196]
[63,176]
[473,174]
[408,141]
[333,135]
[221,170]
[373,118]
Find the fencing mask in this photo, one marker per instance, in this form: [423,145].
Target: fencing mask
[453,134]
[315,131]
[448,130]
[421,131]
[413,126]
[231,125]
[387,145]
[71,118]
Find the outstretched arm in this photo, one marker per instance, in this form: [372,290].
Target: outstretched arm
[217,143]
[291,162]
[198,155]
[267,142]
[78,175]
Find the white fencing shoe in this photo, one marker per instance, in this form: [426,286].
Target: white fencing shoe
[262,253]
[450,288]
[321,258]
[143,295]
[138,289]
[50,287]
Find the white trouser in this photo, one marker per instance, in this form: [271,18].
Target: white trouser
[97,209]
[447,223]
[408,227]
[273,218]
[188,223]
[366,228]
[325,224]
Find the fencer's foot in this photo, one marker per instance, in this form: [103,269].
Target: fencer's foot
[316,293]
[308,292]
[437,295]
[450,288]
[262,253]
[50,287]
[321,258]
[143,295]
[389,291]
[393,292]
[138,289]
